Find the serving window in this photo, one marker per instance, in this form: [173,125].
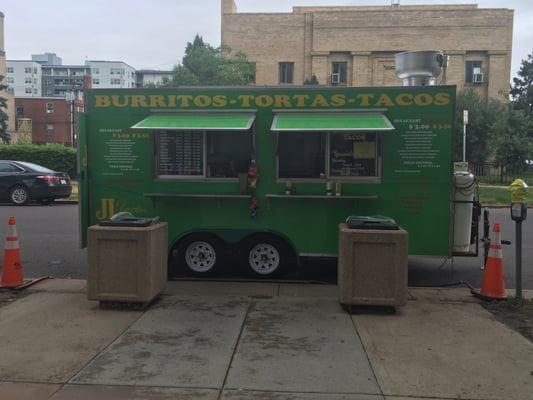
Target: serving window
[320,155]
[202,154]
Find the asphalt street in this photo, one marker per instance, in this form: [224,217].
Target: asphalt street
[49,241]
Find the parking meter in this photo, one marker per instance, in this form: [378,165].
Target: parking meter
[518,191]
[518,212]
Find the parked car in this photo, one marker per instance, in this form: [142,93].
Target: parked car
[22,182]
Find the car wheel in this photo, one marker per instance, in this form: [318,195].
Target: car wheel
[200,254]
[19,195]
[264,256]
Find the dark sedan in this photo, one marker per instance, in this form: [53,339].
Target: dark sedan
[22,182]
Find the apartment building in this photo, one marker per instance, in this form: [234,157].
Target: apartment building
[355,45]
[52,120]
[111,74]
[47,59]
[58,80]
[151,77]
[24,78]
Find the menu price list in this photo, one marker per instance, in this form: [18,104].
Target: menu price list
[419,150]
[180,153]
[120,157]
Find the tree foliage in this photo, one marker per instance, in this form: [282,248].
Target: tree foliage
[522,89]
[206,65]
[312,80]
[481,116]
[4,134]
[513,145]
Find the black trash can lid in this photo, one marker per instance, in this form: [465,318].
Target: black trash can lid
[371,222]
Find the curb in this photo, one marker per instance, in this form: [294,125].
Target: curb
[66,202]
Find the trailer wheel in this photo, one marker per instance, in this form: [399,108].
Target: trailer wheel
[200,254]
[264,256]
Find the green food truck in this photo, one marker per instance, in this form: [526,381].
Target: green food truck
[264,175]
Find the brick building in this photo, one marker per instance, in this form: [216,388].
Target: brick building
[51,118]
[355,45]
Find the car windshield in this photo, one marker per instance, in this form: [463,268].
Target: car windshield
[35,167]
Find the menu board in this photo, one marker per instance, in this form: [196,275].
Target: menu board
[353,154]
[180,153]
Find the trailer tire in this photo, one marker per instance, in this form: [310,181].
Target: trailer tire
[264,256]
[200,254]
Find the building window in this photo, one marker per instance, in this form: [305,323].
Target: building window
[338,73]
[96,81]
[34,91]
[472,67]
[9,70]
[20,112]
[286,72]
[27,70]
[27,80]
[35,70]
[96,71]
[10,79]
[194,154]
[115,81]
[27,90]
[49,129]
[328,155]
[49,108]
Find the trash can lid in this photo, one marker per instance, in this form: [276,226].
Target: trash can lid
[371,222]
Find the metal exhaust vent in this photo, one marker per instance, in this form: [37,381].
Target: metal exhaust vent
[420,68]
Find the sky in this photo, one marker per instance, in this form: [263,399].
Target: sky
[152,34]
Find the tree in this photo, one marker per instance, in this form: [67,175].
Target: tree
[481,115]
[522,89]
[204,64]
[312,80]
[4,134]
[513,144]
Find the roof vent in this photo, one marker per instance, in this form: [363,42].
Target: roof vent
[420,68]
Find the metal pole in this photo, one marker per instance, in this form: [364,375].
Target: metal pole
[518,261]
[464,142]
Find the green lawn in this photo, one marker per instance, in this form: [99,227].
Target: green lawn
[497,195]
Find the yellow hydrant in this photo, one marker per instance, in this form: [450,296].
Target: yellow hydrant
[518,191]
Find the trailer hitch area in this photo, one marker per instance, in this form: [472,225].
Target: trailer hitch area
[486,245]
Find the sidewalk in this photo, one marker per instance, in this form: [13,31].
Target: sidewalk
[218,340]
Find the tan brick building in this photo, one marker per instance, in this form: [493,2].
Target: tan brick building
[4,94]
[355,45]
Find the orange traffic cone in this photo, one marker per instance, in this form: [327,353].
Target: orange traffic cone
[12,271]
[493,287]
[12,277]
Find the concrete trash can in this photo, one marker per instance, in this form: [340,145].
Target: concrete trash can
[127,264]
[372,266]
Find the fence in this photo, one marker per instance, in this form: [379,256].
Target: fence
[488,172]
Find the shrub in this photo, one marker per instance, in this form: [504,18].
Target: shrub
[54,156]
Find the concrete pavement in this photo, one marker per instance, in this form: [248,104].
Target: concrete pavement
[218,340]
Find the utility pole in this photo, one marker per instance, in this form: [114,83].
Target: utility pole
[465,123]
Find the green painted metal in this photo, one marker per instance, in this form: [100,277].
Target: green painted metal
[83,187]
[202,122]
[414,187]
[332,122]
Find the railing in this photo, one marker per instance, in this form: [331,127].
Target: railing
[488,172]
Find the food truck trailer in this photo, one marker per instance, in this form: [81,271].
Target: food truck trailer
[263,175]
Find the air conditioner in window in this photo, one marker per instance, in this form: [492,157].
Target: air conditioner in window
[335,78]
[477,78]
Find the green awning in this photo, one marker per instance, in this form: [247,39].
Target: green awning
[331,122]
[198,122]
